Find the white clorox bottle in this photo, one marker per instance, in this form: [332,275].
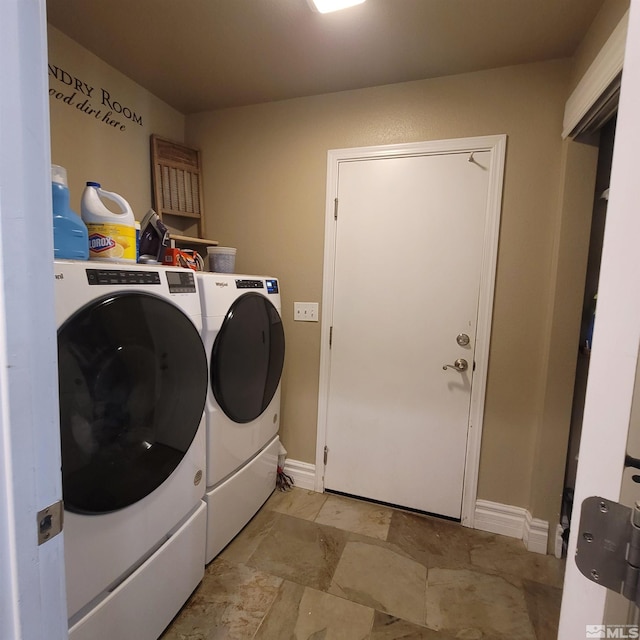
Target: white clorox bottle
[112,235]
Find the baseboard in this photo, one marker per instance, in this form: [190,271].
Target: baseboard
[504,519]
[515,522]
[499,518]
[559,541]
[536,534]
[303,473]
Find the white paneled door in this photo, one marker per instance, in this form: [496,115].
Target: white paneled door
[409,250]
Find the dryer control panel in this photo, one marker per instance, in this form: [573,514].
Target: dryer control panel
[272,286]
[249,284]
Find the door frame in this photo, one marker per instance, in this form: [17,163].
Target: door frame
[497,146]
[616,339]
[32,581]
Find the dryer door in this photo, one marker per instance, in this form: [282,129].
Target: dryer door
[132,387]
[247,358]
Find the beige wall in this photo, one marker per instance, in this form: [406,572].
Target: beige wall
[568,271]
[265,181]
[88,147]
[578,176]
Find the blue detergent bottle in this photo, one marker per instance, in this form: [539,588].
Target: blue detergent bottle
[70,235]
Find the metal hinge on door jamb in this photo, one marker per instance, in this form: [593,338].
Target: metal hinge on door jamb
[335,208]
[326,455]
[608,548]
[330,337]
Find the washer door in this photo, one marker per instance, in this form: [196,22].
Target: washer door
[247,358]
[132,385]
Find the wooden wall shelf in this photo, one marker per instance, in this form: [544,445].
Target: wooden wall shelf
[178,240]
[180,214]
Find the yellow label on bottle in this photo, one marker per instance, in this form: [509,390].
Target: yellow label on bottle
[114,242]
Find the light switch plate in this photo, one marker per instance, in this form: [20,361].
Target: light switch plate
[305,311]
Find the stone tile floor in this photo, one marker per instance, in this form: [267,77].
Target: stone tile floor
[322,567]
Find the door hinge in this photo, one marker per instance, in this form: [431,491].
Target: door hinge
[326,455]
[608,548]
[330,337]
[49,522]
[335,208]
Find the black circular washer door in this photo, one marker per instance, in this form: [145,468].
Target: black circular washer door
[132,385]
[247,358]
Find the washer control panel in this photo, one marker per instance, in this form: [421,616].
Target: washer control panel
[122,277]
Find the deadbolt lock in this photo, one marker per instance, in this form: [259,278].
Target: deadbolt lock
[463,339]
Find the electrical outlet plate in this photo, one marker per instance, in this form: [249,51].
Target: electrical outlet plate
[305,311]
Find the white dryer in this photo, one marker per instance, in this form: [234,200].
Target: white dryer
[132,388]
[244,340]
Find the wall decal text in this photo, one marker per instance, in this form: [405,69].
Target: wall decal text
[92,101]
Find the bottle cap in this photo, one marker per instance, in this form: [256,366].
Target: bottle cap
[58,174]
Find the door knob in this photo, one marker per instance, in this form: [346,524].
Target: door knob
[459,365]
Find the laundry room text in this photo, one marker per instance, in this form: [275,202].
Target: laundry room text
[93,101]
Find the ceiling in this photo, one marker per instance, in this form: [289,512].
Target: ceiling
[199,55]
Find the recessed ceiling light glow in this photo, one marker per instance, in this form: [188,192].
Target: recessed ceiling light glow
[326,6]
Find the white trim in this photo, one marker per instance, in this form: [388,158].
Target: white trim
[499,518]
[497,146]
[536,534]
[559,541]
[483,332]
[612,367]
[605,67]
[303,473]
[515,522]
[32,579]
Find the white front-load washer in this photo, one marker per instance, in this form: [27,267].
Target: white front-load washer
[132,388]
[244,340]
